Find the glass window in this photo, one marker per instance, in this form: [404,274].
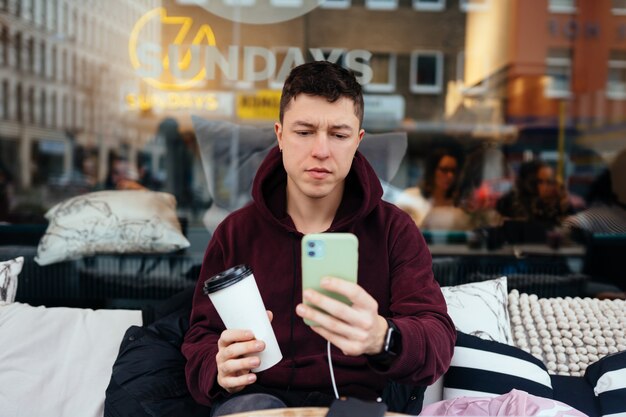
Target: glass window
[474,5]
[9,156]
[4,101]
[335,4]
[42,59]
[436,71]
[53,110]
[31,105]
[53,63]
[384,67]
[286,3]
[31,10]
[19,103]
[616,80]
[18,50]
[53,14]
[618,7]
[47,160]
[243,3]
[381,4]
[4,46]
[426,72]
[43,106]
[562,6]
[558,71]
[30,52]
[429,5]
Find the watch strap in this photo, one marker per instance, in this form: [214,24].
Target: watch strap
[391,345]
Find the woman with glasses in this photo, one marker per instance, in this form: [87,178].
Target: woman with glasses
[439,190]
[537,196]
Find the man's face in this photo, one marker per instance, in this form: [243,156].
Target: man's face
[318,141]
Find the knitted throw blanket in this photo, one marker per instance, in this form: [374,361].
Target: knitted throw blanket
[567,334]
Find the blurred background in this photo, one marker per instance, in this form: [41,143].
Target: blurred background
[99,95]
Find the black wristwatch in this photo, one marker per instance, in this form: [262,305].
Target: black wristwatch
[392,345]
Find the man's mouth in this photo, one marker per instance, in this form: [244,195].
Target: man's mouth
[318,173]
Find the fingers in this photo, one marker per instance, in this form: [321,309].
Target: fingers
[348,346]
[359,314]
[354,329]
[231,336]
[270,315]
[234,375]
[353,292]
[236,358]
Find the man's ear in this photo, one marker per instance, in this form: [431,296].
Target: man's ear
[361,133]
[278,130]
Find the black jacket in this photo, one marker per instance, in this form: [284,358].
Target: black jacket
[148,378]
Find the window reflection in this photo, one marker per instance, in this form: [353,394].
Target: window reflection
[83,84]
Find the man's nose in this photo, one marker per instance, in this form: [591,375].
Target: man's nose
[321,146]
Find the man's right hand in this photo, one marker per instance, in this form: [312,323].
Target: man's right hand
[234,371]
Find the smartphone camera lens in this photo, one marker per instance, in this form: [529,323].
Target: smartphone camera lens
[311,254]
[311,244]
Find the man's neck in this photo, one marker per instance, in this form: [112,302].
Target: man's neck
[312,215]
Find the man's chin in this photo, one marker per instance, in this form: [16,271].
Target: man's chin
[318,193]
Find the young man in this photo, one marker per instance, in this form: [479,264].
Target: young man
[316,181]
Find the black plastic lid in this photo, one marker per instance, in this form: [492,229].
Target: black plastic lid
[226,279]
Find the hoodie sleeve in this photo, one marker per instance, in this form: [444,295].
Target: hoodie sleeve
[205,327]
[418,309]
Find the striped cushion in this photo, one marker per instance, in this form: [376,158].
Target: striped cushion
[608,379]
[484,368]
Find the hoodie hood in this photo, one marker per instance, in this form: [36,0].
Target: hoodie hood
[361,194]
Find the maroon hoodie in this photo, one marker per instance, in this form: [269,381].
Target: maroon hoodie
[394,267]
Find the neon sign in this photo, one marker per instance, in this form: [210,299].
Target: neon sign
[202,58]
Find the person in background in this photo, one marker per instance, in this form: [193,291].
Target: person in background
[536,197]
[439,188]
[605,212]
[121,176]
[316,181]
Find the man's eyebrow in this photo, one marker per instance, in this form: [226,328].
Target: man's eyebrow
[342,126]
[310,125]
[302,123]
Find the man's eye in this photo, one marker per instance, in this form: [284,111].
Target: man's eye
[341,136]
[303,132]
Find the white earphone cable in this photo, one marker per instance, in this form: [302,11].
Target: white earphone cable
[332,372]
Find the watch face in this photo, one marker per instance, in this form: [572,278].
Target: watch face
[392,339]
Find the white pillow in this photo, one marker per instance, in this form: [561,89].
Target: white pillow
[57,361]
[480,309]
[9,270]
[125,221]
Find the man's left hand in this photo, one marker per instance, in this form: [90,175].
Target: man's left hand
[355,329]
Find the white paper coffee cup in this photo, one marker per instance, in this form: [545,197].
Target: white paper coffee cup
[237,299]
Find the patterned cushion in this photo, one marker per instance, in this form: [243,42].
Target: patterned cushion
[487,302]
[483,368]
[608,379]
[111,222]
[567,334]
[9,271]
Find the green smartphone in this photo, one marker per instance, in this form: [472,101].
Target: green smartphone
[329,254]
